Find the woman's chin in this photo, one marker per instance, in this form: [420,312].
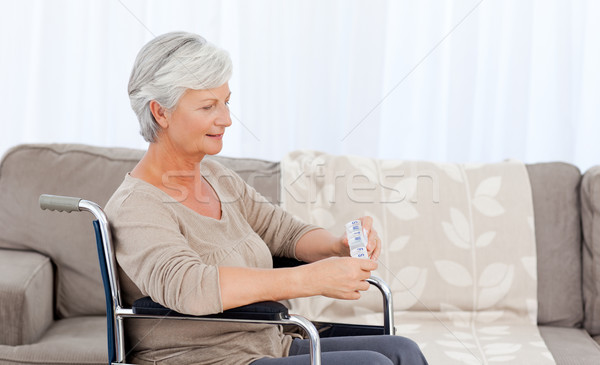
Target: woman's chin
[214,151]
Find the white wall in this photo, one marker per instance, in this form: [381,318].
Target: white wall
[439,80]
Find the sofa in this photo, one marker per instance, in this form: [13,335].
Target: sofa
[51,296]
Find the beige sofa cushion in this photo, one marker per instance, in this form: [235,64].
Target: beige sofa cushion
[77,341]
[590,210]
[555,191]
[68,239]
[25,296]
[571,346]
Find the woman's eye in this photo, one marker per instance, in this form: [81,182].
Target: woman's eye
[207,107]
[227,102]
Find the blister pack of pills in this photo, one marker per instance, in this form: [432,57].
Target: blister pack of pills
[357,239]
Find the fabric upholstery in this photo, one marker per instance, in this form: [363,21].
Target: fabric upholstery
[263,175]
[68,239]
[458,247]
[571,346]
[555,189]
[590,210]
[80,341]
[25,296]
[555,193]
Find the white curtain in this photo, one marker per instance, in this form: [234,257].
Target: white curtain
[465,80]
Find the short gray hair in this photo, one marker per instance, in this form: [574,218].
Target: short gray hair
[166,67]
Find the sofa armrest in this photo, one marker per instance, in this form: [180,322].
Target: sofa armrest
[590,220]
[26,296]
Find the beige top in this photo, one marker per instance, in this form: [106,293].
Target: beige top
[171,253]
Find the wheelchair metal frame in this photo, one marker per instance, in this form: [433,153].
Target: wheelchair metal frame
[119,312]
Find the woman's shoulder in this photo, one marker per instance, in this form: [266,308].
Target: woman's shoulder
[135,193]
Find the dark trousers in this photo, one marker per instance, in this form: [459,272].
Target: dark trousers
[372,350]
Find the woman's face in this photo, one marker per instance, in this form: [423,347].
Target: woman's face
[198,122]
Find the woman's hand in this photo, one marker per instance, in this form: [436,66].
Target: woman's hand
[320,244]
[374,242]
[338,277]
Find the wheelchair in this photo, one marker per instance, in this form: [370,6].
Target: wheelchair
[144,308]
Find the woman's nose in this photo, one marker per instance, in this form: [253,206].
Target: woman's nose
[224,117]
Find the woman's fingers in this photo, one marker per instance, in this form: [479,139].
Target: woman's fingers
[342,277]
[364,286]
[373,240]
[367,223]
[377,250]
[368,265]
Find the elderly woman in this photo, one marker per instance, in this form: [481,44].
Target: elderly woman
[196,238]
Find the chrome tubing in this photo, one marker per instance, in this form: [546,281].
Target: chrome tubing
[305,324]
[313,335]
[388,304]
[111,264]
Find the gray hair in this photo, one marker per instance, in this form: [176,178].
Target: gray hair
[166,67]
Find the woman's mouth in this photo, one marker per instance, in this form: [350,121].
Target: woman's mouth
[215,135]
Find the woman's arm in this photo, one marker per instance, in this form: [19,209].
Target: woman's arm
[320,244]
[336,277]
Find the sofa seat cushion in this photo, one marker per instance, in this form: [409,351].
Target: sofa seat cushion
[570,346]
[78,340]
[25,296]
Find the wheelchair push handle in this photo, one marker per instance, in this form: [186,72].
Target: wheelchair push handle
[60,203]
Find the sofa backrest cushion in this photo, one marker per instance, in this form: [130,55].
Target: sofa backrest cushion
[92,173]
[555,191]
[590,210]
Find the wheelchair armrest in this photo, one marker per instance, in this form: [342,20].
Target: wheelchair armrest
[267,311]
[332,329]
[279,261]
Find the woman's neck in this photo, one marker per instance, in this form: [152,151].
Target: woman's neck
[180,178]
[163,165]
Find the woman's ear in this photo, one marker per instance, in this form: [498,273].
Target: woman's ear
[159,113]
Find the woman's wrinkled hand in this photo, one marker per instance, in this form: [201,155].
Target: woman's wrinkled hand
[339,277]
